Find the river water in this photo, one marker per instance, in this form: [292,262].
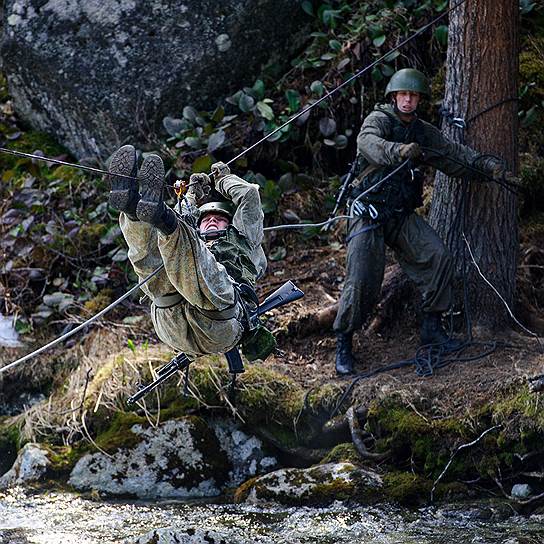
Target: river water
[55,518]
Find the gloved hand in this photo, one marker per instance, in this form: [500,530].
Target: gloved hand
[511,179]
[199,186]
[219,170]
[497,171]
[409,151]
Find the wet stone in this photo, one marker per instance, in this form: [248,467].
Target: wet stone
[31,465]
[318,485]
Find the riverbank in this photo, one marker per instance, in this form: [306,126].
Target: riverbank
[473,429]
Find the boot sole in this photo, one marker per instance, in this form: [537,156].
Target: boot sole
[151,176]
[123,162]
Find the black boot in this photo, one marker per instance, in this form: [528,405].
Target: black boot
[432,332]
[124,193]
[344,356]
[151,207]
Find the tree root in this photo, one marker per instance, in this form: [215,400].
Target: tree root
[396,290]
[306,455]
[357,438]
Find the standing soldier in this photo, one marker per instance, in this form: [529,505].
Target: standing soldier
[212,255]
[392,135]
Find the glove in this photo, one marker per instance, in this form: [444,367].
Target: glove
[220,170]
[511,179]
[409,151]
[199,186]
[497,171]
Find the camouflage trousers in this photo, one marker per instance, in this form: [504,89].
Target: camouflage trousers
[191,270]
[421,254]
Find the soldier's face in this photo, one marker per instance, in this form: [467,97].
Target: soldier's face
[213,221]
[407,101]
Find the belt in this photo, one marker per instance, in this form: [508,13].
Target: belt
[173,299]
[168,301]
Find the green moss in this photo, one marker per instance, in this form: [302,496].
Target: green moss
[407,488]
[524,407]
[343,452]
[118,434]
[324,398]
[10,442]
[63,459]
[99,301]
[33,140]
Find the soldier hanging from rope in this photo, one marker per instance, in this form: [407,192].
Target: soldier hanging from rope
[391,134]
[212,254]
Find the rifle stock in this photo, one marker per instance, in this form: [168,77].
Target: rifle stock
[288,292]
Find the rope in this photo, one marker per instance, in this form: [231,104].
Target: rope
[279,227]
[83,325]
[62,163]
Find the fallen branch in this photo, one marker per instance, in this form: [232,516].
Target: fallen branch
[463,446]
[514,499]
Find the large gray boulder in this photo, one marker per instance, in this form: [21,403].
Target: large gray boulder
[180,458]
[100,72]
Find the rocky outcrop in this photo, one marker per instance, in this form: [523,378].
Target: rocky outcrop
[180,458]
[317,485]
[97,73]
[31,465]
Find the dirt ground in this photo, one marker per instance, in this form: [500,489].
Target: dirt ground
[451,390]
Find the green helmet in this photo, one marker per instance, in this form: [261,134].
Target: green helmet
[408,79]
[220,207]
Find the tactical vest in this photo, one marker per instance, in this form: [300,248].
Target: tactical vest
[234,252]
[403,191]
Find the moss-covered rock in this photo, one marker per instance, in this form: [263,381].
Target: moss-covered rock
[180,458]
[30,466]
[345,452]
[318,485]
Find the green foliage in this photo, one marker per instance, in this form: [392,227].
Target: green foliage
[10,442]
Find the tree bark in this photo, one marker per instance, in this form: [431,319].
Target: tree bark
[482,64]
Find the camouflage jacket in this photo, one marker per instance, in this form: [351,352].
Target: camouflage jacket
[240,251]
[374,145]
[379,143]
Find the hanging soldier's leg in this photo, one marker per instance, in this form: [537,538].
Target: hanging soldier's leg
[124,195]
[428,263]
[141,238]
[364,276]
[144,255]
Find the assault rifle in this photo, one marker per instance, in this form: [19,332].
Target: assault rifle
[288,292]
[344,188]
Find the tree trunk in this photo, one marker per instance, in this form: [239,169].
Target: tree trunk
[482,73]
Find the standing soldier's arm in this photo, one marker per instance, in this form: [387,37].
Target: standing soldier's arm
[248,218]
[371,142]
[444,150]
